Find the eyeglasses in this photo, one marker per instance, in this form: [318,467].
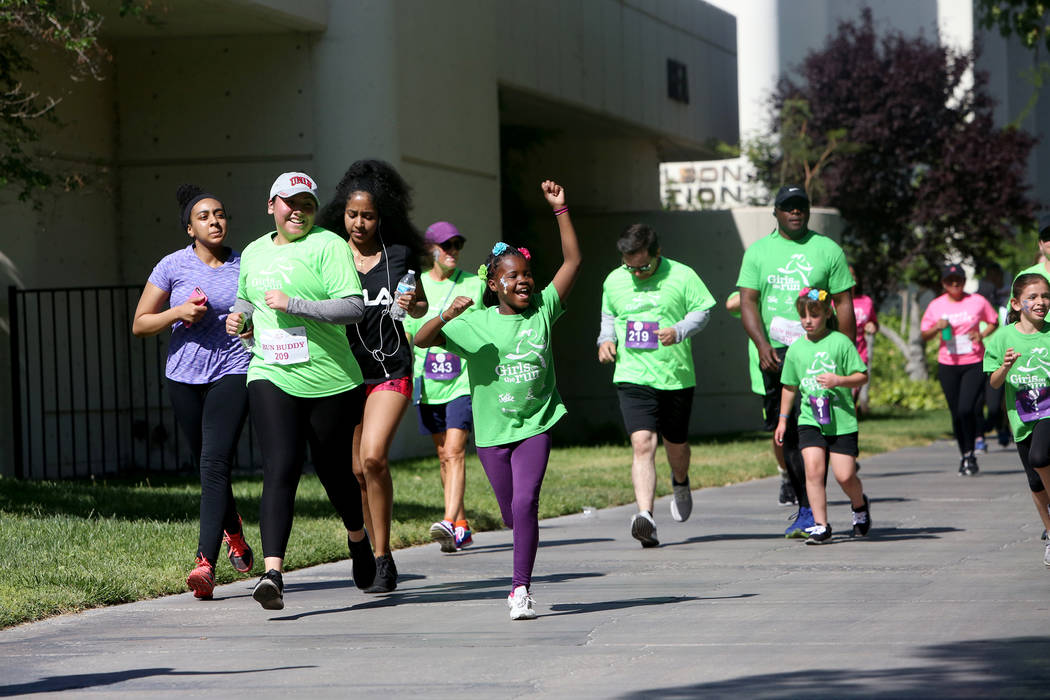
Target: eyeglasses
[640,268]
[452,244]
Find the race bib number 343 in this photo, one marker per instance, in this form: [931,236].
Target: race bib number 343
[283,346]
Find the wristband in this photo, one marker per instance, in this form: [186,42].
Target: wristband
[559,212]
[783,415]
[442,317]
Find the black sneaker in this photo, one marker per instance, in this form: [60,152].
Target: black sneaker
[269,591]
[362,562]
[969,466]
[787,494]
[386,575]
[862,519]
[818,534]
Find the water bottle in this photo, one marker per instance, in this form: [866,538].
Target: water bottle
[407,285]
[946,332]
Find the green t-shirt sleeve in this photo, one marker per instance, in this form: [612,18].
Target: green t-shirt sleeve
[839,278]
[851,360]
[748,276]
[462,337]
[994,351]
[789,374]
[699,298]
[550,304]
[337,270]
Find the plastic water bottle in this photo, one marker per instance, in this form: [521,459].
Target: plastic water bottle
[946,332]
[407,285]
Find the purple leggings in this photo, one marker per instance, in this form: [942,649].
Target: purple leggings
[516,471]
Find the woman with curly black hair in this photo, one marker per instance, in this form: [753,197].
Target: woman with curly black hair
[370,209]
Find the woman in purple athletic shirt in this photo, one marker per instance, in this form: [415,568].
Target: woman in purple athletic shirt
[190,292]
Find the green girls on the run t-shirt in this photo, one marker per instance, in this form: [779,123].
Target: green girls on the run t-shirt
[779,268]
[513,389]
[300,356]
[441,375]
[1028,381]
[640,308]
[830,410]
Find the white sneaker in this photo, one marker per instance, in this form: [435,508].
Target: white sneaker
[520,604]
[643,529]
[444,533]
[682,502]
[1046,555]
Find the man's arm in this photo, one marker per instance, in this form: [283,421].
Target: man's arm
[844,308]
[752,320]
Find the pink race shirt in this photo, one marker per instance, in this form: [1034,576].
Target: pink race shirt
[964,316]
[863,311]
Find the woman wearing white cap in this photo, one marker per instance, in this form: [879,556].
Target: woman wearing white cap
[297,290]
[370,208]
[442,386]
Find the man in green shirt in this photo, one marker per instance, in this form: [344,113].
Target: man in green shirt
[651,306]
[772,273]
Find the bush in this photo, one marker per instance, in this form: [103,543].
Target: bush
[891,388]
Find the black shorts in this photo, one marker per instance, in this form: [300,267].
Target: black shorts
[437,418]
[808,436]
[663,411]
[771,399]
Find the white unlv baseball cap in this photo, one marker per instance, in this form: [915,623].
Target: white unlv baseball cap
[290,184]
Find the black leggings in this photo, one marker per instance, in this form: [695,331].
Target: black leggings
[1034,451]
[284,424]
[963,387]
[211,417]
[796,469]
[993,399]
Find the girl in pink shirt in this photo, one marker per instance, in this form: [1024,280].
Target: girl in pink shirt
[956,317]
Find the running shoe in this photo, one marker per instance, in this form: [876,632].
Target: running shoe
[202,579]
[682,502]
[643,529]
[980,446]
[444,533]
[1045,536]
[521,604]
[386,575]
[1046,555]
[269,591]
[862,520]
[802,519]
[1004,438]
[787,494]
[238,551]
[362,562]
[464,537]
[970,467]
[818,534]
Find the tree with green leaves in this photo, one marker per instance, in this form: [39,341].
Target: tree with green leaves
[28,27]
[1028,20]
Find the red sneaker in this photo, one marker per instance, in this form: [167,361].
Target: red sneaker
[238,551]
[202,579]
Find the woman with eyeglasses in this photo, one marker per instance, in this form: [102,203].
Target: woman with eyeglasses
[370,208]
[442,386]
[956,317]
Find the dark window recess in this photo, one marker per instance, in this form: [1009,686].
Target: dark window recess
[677,81]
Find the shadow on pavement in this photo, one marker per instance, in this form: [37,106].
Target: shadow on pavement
[95,680]
[605,606]
[972,669]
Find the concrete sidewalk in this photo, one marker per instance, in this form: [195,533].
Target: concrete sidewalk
[948,596]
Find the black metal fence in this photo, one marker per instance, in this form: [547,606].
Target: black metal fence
[89,398]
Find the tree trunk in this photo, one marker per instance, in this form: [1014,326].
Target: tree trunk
[912,349]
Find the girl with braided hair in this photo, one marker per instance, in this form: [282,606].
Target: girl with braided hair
[512,382]
[370,209]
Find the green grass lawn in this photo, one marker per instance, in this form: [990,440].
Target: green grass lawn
[69,546]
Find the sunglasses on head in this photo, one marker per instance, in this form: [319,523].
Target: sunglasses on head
[452,244]
[640,268]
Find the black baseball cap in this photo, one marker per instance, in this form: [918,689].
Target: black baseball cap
[1044,227]
[789,192]
[952,270]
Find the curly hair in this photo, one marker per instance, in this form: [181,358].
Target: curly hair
[491,264]
[1022,281]
[187,195]
[392,197]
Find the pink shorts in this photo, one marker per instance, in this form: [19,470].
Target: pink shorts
[402,385]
